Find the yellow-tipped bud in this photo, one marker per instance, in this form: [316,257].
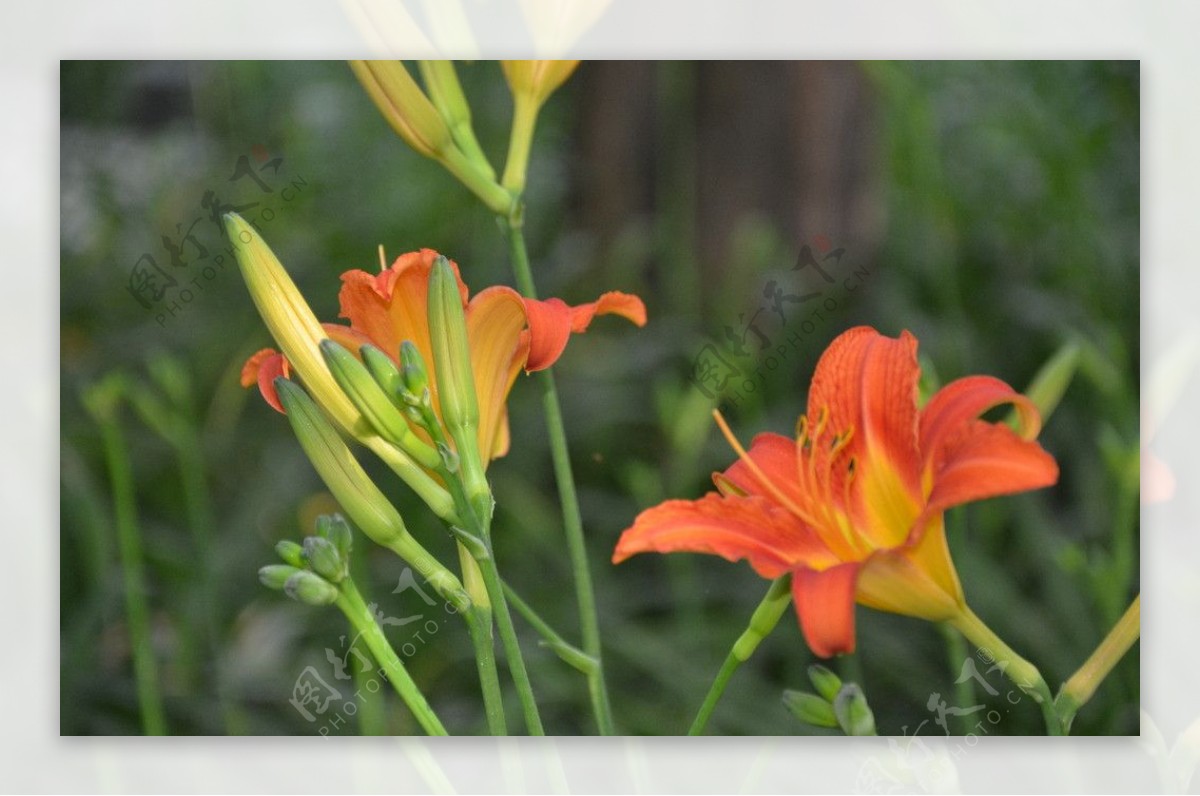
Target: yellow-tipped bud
[537,79]
[290,321]
[366,394]
[441,81]
[404,105]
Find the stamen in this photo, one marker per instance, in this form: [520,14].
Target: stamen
[754,468]
[382,260]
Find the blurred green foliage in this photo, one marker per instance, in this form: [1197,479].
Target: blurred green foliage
[1011,193]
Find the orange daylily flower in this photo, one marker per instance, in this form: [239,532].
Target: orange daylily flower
[506,333]
[853,507]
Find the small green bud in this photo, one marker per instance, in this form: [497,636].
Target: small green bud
[290,553]
[810,708]
[274,576]
[852,711]
[335,528]
[311,589]
[449,457]
[366,394]
[413,370]
[323,557]
[384,371]
[826,682]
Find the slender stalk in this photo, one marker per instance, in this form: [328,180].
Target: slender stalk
[145,668]
[1023,673]
[352,605]
[1082,685]
[512,647]
[762,622]
[479,624]
[589,622]
[520,141]
[481,550]
[576,657]
[957,653]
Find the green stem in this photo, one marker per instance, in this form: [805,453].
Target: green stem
[589,622]
[1082,685]
[479,624]
[762,622]
[571,654]
[1020,671]
[352,605]
[512,646]
[480,549]
[520,141]
[957,653]
[145,668]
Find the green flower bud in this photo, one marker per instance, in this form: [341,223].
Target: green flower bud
[290,553]
[335,528]
[274,576]
[310,589]
[810,708]
[413,370]
[341,472]
[852,711]
[451,351]
[384,371]
[826,682]
[358,384]
[323,557]
[456,383]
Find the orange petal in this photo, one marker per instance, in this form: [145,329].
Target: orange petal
[866,384]
[775,456]
[263,367]
[391,307]
[825,605]
[771,539]
[613,302]
[959,402]
[495,333]
[552,321]
[549,330]
[986,460]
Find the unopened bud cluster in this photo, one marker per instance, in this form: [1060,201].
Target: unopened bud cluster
[312,570]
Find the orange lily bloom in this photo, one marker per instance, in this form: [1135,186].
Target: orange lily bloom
[506,333]
[853,507]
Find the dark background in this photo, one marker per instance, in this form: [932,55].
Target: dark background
[990,208]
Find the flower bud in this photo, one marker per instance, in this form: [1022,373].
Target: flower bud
[413,370]
[384,371]
[290,321]
[451,351]
[366,394]
[826,682]
[274,576]
[335,528]
[536,80]
[404,105]
[323,557]
[852,711]
[351,486]
[290,552]
[311,589]
[810,709]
